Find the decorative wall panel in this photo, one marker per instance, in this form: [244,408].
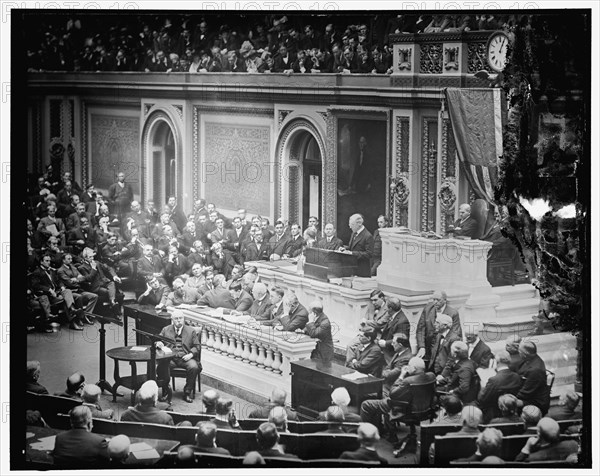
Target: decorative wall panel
[428,173]
[236,165]
[400,185]
[115,147]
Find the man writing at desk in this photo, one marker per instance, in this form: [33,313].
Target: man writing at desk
[185,354]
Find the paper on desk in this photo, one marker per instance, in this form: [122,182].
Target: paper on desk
[354,376]
[143,451]
[186,306]
[138,348]
[142,446]
[44,444]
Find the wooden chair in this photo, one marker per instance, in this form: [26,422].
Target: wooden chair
[209,460]
[50,406]
[565,424]
[507,429]
[305,427]
[448,448]
[324,446]
[329,462]
[512,445]
[428,433]
[145,430]
[181,373]
[193,418]
[252,424]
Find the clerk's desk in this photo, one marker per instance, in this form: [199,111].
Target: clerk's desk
[323,264]
[313,381]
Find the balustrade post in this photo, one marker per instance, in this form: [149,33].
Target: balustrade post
[260,360]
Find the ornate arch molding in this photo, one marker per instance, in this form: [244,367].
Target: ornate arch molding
[152,120]
[285,175]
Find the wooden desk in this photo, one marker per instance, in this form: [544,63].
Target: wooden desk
[313,382]
[323,264]
[39,458]
[134,381]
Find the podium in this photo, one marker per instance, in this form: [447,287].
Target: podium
[324,264]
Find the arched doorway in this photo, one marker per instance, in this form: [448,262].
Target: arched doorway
[164,164]
[305,178]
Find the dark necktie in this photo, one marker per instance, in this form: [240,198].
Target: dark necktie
[352,240]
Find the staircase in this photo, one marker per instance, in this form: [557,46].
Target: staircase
[514,314]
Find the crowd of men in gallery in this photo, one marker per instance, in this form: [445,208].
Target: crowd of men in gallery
[84,248]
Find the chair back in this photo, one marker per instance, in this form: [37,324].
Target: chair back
[186,435]
[50,406]
[145,430]
[323,446]
[565,424]
[209,460]
[423,399]
[512,445]
[507,429]
[193,418]
[428,433]
[450,447]
[252,424]
[304,427]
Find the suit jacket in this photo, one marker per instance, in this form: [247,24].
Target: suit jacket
[361,246]
[278,246]
[467,228]
[261,310]
[121,195]
[43,281]
[426,329]
[380,317]
[223,264]
[462,379]
[397,323]
[209,449]
[145,414]
[173,269]
[401,390]
[95,278]
[363,454]
[80,448]
[440,354]
[535,390]
[73,220]
[505,381]
[555,451]
[219,297]
[155,297]
[297,319]
[294,247]
[178,216]
[251,252]
[76,234]
[263,412]
[147,267]
[334,244]
[66,273]
[189,340]
[244,302]
[189,296]
[368,361]
[321,329]
[393,368]
[234,242]
[481,355]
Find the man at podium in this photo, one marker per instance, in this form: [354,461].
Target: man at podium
[360,245]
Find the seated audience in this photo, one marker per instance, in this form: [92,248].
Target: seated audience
[75,384]
[209,400]
[450,413]
[155,292]
[261,307]
[145,410]
[507,404]
[397,323]
[401,357]
[118,450]
[180,295]
[512,347]
[341,398]
[380,310]
[242,299]
[206,437]
[366,357]
[319,328]
[489,443]
[535,390]
[368,436]
[219,296]
[278,417]
[471,419]
[32,377]
[224,414]
[79,447]
[479,352]
[278,399]
[294,315]
[547,444]
[91,396]
[568,407]
[335,416]
[531,415]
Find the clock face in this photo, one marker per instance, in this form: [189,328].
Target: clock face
[496,51]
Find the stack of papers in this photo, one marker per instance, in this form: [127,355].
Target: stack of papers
[354,376]
[243,319]
[143,451]
[44,444]
[139,348]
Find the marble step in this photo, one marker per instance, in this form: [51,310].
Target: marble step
[517,307]
[519,291]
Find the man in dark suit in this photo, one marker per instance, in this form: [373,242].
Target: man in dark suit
[340,398]
[267,438]
[235,237]
[278,399]
[74,219]
[120,196]
[547,444]
[294,315]
[329,241]
[100,280]
[278,242]
[392,370]
[276,295]
[261,307]
[466,224]
[256,249]
[366,357]
[441,346]
[295,243]
[186,353]
[459,375]
[79,447]
[145,410]
[532,370]
[398,322]
[154,293]
[360,245]
[206,439]
[82,236]
[505,381]
[71,278]
[412,374]
[176,213]
[319,328]
[479,352]
[368,436]
[218,296]
[243,300]
[150,265]
[32,377]
[426,325]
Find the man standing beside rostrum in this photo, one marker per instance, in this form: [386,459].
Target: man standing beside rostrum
[186,354]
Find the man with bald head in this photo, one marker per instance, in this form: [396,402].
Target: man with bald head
[459,375]
[368,436]
[402,391]
[535,390]
[278,399]
[360,245]
[209,400]
[426,324]
[75,384]
[443,341]
[567,408]
[118,450]
[512,347]
[505,381]
[145,410]
[546,445]
[206,439]
[466,224]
